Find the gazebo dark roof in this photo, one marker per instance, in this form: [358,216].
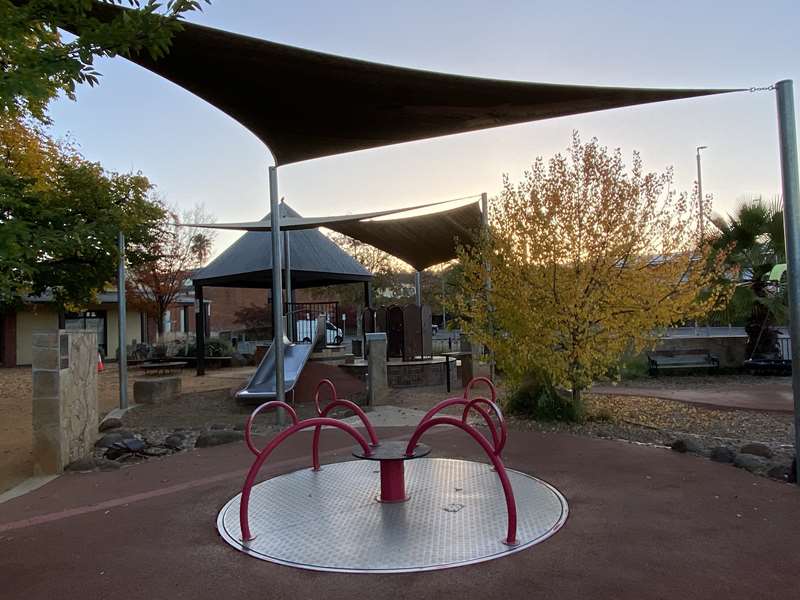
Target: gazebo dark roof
[316,261]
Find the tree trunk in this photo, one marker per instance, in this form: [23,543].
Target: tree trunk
[577,402]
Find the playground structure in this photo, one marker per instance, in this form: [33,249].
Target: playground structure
[439,519]
[409,329]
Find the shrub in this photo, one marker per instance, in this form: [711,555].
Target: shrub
[537,398]
[214,347]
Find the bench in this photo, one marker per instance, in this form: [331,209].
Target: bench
[163,368]
[680,359]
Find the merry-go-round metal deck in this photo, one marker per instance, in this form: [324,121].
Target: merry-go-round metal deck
[330,520]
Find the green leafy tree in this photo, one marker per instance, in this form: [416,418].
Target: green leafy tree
[753,235]
[60,216]
[37,61]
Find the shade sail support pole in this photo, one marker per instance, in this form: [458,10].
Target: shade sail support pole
[277,284]
[288,266]
[418,288]
[787,134]
[122,361]
[488,282]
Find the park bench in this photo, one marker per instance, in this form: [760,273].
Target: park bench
[162,368]
[681,359]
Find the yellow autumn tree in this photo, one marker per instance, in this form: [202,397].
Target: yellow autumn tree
[586,259]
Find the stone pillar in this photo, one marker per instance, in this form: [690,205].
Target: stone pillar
[64,398]
[377,378]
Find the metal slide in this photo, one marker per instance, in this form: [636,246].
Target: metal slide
[262,384]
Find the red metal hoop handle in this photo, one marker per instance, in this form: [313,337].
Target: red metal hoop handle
[485,380]
[500,443]
[262,456]
[496,438]
[248,435]
[511,505]
[332,388]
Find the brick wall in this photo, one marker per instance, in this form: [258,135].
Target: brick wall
[226,301]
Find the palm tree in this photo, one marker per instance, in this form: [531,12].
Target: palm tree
[753,235]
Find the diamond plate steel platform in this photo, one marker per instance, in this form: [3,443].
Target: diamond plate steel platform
[329,520]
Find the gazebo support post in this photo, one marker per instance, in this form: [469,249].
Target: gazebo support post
[368,294]
[418,287]
[288,266]
[277,284]
[787,133]
[200,329]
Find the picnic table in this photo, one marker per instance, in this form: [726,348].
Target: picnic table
[162,368]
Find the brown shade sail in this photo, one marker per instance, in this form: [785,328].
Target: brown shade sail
[420,240]
[305,104]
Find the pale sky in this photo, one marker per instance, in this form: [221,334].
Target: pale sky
[195,154]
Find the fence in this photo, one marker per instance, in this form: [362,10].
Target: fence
[300,316]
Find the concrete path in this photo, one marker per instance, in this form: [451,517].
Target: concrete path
[644,523]
[774,396]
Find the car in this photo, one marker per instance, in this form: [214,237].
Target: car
[333,334]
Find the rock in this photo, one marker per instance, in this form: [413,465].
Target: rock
[87,463]
[109,423]
[113,437]
[756,450]
[216,438]
[779,471]
[175,441]
[687,445]
[217,427]
[752,463]
[722,454]
[156,390]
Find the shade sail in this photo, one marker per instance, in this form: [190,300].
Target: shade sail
[316,261]
[305,104]
[420,240]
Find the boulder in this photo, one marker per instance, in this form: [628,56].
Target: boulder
[114,437]
[752,463]
[217,438]
[780,472]
[155,390]
[722,454]
[175,441]
[687,445]
[87,463]
[756,450]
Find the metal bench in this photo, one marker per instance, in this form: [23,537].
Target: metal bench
[681,359]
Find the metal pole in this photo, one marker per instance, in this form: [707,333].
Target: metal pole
[444,310]
[700,198]
[485,224]
[287,259]
[123,351]
[787,133]
[277,284]
[418,287]
[200,329]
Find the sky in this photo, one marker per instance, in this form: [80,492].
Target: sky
[195,154]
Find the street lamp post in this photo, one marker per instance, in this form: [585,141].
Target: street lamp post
[700,192]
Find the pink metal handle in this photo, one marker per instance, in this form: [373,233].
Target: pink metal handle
[500,443]
[463,402]
[248,436]
[336,402]
[262,456]
[485,380]
[511,505]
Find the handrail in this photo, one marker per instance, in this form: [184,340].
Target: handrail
[497,462]
[264,454]
[463,402]
[248,436]
[333,403]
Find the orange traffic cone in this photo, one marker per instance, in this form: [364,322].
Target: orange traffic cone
[100,366]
